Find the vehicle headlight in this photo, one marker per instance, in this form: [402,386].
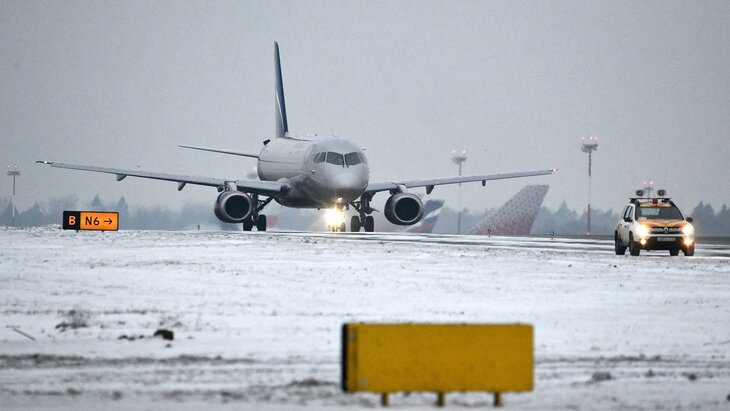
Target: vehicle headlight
[688,229]
[643,231]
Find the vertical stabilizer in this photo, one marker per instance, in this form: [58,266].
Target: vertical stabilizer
[282,127]
[516,216]
[431,212]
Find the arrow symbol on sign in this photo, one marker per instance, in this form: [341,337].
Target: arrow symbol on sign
[108,221]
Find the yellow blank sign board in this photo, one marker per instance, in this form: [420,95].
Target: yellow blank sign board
[437,357]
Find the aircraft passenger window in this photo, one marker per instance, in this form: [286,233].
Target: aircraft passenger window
[352,159]
[319,157]
[335,158]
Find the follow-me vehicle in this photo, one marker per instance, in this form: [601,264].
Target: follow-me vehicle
[331,173]
[653,224]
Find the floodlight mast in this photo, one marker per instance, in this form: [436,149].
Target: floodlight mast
[13,171]
[589,145]
[458,157]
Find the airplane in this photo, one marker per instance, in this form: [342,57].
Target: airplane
[331,173]
[516,216]
[431,213]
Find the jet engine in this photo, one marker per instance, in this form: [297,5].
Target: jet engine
[404,209]
[233,206]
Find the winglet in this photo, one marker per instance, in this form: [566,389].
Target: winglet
[282,126]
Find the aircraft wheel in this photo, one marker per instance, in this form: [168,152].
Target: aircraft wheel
[355,224]
[620,249]
[369,224]
[633,246]
[343,228]
[247,224]
[261,223]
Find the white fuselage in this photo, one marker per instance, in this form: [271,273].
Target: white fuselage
[317,180]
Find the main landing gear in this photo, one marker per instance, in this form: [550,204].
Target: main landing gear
[356,223]
[256,219]
[363,219]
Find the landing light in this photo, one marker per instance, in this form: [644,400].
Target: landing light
[334,217]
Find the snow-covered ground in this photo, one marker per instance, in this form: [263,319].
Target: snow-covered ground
[257,317]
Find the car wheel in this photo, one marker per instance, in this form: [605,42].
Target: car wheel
[689,251]
[674,252]
[620,249]
[634,248]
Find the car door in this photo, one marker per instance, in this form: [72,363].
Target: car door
[625,226]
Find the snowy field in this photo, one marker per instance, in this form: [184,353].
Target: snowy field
[257,317]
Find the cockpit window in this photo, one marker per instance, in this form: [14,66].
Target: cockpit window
[362,158]
[335,158]
[319,157]
[352,159]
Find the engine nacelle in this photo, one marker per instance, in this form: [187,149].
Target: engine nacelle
[233,206]
[404,209]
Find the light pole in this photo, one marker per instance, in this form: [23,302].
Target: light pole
[458,157]
[589,145]
[14,172]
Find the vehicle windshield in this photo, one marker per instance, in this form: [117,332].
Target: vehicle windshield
[658,213]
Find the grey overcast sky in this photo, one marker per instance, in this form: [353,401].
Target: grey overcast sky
[516,83]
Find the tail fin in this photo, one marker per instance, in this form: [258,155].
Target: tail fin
[431,212]
[282,127]
[516,216]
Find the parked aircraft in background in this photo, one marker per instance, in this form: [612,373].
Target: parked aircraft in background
[331,173]
[431,213]
[516,216]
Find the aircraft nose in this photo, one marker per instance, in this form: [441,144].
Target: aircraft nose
[347,186]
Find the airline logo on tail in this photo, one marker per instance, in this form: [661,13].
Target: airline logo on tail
[431,213]
[516,216]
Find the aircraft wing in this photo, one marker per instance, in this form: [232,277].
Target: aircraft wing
[215,150]
[431,183]
[254,186]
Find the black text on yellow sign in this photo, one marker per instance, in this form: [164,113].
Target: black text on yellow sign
[91,220]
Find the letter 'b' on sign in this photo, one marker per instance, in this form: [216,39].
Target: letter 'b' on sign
[91,220]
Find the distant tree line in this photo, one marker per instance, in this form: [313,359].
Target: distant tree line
[188,217]
[708,222]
